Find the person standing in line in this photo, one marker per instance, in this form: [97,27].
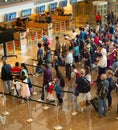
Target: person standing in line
[102,65]
[109,75]
[80,87]
[72,83]
[60,84]
[68,61]
[102,100]
[15,71]
[40,54]
[88,77]
[6,76]
[47,77]
[25,78]
[76,53]
[58,45]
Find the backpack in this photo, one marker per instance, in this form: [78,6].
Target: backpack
[77,74]
[112,84]
[48,41]
[103,92]
[86,85]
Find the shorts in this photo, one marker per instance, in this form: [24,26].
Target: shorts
[81,97]
[88,96]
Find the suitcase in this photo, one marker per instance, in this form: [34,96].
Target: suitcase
[94,103]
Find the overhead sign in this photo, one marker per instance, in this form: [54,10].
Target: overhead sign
[53,6]
[10,17]
[40,9]
[26,12]
[63,3]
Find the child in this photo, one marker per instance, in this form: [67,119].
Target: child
[50,96]
[17,87]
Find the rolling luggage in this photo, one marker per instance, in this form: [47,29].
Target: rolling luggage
[94,103]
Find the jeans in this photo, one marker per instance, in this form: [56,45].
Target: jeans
[44,92]
[68,71]
[7,85]
[109,97]
[102,103]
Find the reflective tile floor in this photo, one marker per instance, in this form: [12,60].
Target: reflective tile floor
[56,115]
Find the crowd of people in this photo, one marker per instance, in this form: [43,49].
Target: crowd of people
[80,54]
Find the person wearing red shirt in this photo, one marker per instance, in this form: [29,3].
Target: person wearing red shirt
[98,18]
[15,71]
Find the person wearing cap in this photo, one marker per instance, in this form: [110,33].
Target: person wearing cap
[65,45]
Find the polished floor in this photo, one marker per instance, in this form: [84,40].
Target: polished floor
[56,115]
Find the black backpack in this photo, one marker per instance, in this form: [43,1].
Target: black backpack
[86,85]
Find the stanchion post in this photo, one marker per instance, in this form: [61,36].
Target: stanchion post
[30,119]
[74,112]
[45,106]
[58,127]
[34,92]
[5,113]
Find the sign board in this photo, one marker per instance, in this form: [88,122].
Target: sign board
[26,12]
[40,9]
[10,17]
[63,3]
[53,6]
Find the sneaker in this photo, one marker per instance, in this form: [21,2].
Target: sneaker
[40,100]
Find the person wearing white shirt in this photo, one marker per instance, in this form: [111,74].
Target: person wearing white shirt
[102,50]
[102,65]
[88,77]
[68,61]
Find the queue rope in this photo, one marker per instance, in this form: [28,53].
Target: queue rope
[46,88]
[27,99]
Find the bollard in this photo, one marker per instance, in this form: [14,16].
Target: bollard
[58,127]
[45,106]
[29,111]
[74,113]
[5,113]
[34,92]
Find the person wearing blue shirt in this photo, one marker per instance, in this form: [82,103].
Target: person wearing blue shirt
[83,34]
[76,53]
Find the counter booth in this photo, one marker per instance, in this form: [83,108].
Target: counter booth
[36,31]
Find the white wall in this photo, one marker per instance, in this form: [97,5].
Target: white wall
[19,8]
[31,5]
